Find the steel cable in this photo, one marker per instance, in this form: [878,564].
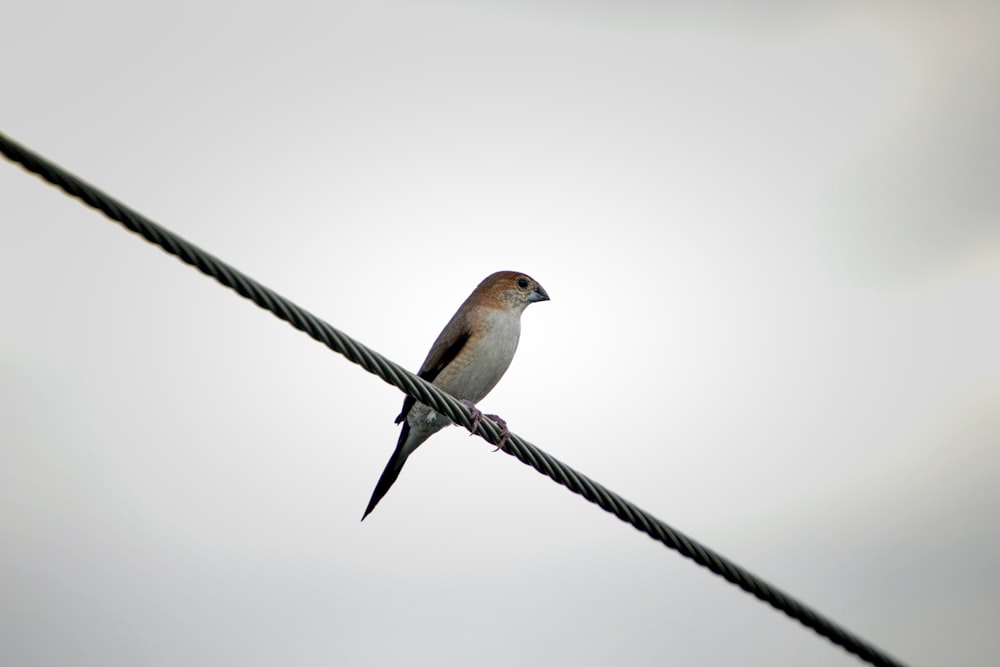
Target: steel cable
[427,393]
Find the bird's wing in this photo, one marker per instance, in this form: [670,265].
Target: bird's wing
[447,346]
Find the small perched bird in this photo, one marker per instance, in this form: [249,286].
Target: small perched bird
[467,360]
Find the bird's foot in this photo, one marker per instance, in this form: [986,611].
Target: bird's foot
[504,431]
[477,416]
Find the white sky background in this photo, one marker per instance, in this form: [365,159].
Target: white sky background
[771,235]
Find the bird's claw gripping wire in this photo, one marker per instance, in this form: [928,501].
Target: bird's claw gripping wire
[477,416]
[504,431]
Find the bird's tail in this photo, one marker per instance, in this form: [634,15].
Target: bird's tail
[391,472]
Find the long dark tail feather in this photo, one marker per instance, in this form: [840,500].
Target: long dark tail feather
[391,472]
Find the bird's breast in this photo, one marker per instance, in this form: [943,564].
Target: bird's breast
[485,357]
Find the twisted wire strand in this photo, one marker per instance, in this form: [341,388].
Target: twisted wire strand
[426,393]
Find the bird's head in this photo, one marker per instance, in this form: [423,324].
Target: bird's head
[512,289]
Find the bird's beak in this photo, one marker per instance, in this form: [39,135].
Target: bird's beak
[539,294]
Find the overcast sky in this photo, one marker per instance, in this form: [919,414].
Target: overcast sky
[771,235]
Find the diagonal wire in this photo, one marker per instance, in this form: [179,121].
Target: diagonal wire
[430,395]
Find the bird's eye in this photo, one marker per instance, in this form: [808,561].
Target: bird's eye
[522,283]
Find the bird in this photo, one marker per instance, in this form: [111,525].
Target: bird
[469,357]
